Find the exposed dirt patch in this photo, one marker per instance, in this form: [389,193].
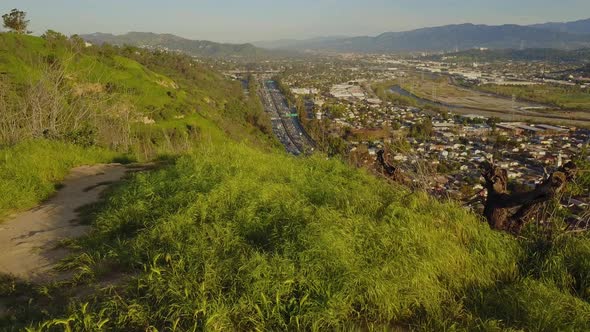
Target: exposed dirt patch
[28,241]
[88,88]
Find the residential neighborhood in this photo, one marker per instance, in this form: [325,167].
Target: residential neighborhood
[434,129]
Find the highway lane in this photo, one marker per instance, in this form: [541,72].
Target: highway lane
[285,126]
[278,125]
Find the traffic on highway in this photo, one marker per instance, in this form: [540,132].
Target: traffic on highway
[285,122]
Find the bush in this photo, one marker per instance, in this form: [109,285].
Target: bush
[86,136]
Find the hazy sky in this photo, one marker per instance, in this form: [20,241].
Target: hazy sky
[253,20]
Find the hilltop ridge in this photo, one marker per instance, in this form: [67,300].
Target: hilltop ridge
[175,43]
[451,37]
[579,26]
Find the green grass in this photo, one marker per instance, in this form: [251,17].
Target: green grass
[30,171]
[23,57]
[125,81]
[146,90]
[531,305]
[17,52]
[231,238]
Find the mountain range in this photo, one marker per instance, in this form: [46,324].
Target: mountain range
[569,35]
[456,37]
[578,27]
[176,43]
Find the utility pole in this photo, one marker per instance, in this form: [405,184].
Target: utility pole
[513,106]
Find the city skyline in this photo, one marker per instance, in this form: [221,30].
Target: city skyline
[257,20]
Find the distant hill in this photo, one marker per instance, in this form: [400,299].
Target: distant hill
[445,38]
[577,27]
[529,54]
[172,42]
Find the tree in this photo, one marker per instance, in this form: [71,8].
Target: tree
[16,21]
[422,130]
[77,43]
[54,39]
[54,36]
[493,122]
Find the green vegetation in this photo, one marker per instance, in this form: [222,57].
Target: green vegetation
[225,240]
[382,91]
[582,183]
[137,85]
[568,97]
[434,88]
[422,130]
[336,110]
[16,21]
[30,170]
[96,103]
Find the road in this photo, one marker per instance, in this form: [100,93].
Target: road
[285,123]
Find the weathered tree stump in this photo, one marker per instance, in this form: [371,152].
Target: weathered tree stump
[511,211]
[391,171]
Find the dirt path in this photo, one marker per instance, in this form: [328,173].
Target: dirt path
[28,241]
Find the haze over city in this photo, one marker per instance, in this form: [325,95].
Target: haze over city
[248,21]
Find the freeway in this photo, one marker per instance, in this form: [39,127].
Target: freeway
[285,123]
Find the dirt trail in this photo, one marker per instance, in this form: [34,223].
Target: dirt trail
[28,240]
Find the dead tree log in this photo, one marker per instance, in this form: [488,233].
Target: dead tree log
[511,211]
[391,171]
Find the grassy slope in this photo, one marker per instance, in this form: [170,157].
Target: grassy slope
[30,170]
[188,111]
[157,91]
[23,57]
[238,239]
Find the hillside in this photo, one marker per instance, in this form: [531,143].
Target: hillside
[226,240]
[231,234]
[153,90]
[103,103]
[446,38]
[174,43]
[467,36]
